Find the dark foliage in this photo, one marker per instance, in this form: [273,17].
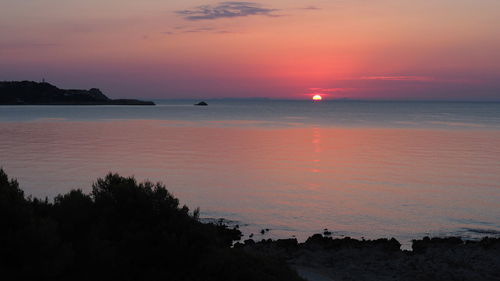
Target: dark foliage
[123,230]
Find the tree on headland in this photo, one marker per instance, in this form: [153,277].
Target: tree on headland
[122,230]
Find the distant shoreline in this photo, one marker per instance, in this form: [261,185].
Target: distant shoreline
[144,103]
[34,93]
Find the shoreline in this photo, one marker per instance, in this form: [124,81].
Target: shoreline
[141,227]
[34,93]
[322,258]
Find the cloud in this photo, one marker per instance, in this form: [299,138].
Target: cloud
[330,90]
[402,79]
[226,10]
[310,8]
[199,29]
[182,30]
[25,45]
[399,78]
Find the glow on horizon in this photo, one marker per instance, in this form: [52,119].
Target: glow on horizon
[317,98]
[382,49]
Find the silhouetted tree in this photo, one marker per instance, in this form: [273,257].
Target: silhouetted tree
[123,230]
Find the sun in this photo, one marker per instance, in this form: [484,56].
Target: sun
[317,98]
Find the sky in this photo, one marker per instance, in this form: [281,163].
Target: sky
[289,49]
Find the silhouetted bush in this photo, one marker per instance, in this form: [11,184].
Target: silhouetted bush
[123,230]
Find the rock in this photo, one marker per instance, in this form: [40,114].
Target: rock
[249,242]
[201,103]
[420,246]
[287,243]
[383,260]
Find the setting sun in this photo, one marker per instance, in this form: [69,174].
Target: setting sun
[317,97]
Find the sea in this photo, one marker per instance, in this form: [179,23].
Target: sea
[362,169]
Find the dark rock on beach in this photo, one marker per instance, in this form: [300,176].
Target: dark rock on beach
[34,93]
[326,258]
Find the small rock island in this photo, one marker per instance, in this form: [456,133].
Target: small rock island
[201,103]
[35,93]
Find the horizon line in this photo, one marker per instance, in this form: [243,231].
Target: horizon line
[324,100]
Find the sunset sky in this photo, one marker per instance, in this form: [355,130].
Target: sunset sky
[360,49]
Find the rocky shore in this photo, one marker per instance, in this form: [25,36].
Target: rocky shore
[324,258]
[126,230]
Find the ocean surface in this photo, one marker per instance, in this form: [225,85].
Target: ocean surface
[359,169]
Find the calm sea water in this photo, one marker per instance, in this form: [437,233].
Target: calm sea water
[360,169]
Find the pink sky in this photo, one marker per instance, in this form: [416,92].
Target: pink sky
[377,49]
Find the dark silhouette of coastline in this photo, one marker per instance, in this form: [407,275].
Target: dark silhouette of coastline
[34,93]
[124,230]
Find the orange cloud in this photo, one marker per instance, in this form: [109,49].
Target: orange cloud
[399,78]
